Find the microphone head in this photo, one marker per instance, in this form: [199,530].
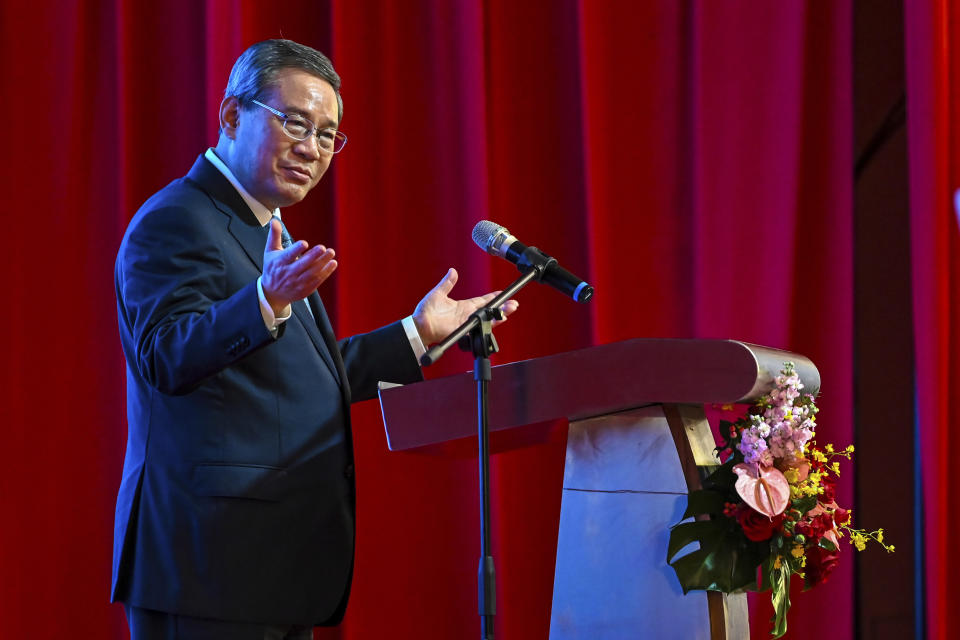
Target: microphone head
[492,237]
[483,232]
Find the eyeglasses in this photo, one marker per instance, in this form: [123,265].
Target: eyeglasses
[328,140]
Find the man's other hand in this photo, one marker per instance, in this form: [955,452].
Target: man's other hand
[438,314]
[293,273]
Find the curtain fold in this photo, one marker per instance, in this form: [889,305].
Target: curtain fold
[720,182]
[933,108]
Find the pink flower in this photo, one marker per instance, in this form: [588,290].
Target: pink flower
[801,466]
[765,489]
[752,445]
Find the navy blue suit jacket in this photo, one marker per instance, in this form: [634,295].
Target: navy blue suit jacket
[237,498]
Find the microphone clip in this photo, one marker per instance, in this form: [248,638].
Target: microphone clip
[532,259]
[481,341]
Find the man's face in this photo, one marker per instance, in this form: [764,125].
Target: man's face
[276,169]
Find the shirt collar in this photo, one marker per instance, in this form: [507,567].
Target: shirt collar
[262,214]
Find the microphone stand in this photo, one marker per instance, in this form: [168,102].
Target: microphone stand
[476,335]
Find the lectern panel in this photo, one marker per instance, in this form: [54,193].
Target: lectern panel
[623,489]
[623,452]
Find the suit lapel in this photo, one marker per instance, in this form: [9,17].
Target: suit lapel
[316,335]
[242,224]
[326,330]
[251,237]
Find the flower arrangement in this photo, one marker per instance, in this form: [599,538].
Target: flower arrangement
[770,508]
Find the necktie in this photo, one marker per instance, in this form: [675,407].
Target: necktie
[285,241]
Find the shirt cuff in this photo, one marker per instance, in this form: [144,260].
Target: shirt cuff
[416,343]
[272,321]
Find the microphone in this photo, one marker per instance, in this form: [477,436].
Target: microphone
[497,241]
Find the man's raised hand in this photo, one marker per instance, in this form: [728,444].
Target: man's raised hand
[438,314]
[293,273]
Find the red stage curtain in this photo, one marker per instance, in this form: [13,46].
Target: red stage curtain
[693,160]
[933,106]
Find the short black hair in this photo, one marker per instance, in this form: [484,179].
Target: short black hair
[256,69]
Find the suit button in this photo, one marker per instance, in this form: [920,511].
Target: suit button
[348,471]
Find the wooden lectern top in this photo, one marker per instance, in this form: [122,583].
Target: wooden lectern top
[586,383]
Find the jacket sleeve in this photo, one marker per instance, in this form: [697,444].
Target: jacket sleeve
[384,354]
[180,322]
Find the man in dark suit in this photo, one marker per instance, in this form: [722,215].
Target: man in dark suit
[235,515]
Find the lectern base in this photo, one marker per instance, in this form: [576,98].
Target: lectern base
[623,488]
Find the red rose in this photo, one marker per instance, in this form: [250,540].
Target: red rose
[814,527]
[841,516]
[825,523]
[820,564]
[756,526]
[829,490]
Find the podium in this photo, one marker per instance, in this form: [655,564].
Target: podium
[638,440]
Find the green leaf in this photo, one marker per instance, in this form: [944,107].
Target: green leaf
[702,531]
[702,502]
[804,504]
[723,479]
[726,561]
[780,598]
[765,571]
[748,559]
[827,544]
